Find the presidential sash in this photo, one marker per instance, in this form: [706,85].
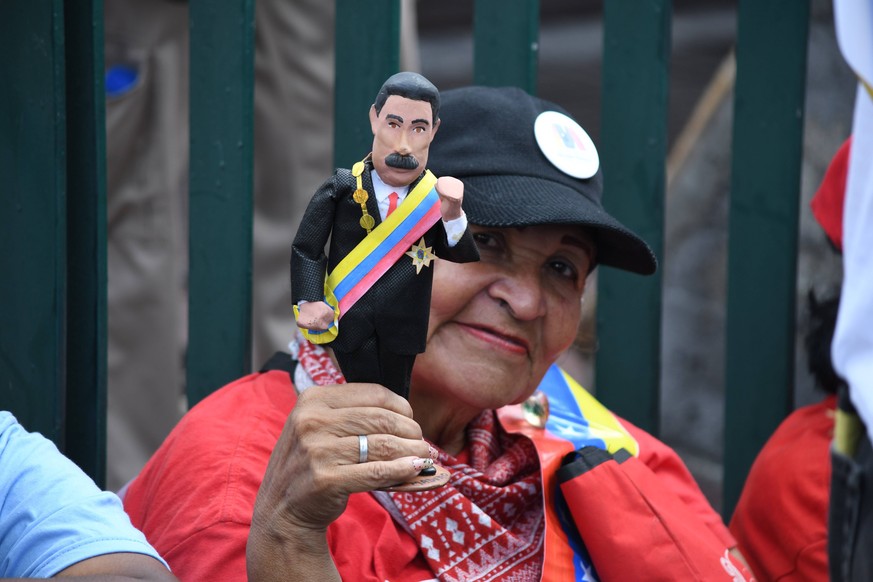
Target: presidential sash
[373,256]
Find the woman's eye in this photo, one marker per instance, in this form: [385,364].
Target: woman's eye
[485,240]
[564,269]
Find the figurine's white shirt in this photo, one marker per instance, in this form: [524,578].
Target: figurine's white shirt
[383,191]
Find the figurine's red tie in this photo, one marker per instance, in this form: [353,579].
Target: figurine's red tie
[392,203]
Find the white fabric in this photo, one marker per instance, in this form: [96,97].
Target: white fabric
[852,349]
[853,339]
[455,229]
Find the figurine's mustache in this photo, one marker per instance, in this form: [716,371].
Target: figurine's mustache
[401,162]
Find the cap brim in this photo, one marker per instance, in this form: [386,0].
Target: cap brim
[512,200]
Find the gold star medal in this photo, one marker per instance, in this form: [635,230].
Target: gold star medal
[421,255]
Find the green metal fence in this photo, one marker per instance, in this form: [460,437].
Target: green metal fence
[53,211]
[220,198]
[762,237]
[53,224]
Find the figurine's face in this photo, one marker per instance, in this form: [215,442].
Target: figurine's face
[402,133]
[496,325]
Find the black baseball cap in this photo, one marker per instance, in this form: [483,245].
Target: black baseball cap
[524,161]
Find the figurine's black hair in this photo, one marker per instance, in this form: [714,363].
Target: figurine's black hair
[411,86]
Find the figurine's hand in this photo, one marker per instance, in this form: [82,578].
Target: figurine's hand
[316,315]
[451,193]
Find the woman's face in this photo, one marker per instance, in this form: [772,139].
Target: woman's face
[498,324]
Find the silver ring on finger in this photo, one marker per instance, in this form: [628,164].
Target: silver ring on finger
[363,448]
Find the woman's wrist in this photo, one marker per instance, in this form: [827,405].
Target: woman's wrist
[288,553]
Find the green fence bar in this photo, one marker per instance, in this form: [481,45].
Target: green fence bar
[506,43]
[367,53]
[221,185]
[86,249]
[762,251]
[633,138]
[33,214]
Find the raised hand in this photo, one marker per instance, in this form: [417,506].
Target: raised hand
[451,193]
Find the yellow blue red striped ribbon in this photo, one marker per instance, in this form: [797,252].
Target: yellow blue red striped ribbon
[372,257]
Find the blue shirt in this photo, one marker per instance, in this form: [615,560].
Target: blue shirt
[52,515]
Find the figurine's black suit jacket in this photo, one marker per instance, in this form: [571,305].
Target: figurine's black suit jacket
[397,306]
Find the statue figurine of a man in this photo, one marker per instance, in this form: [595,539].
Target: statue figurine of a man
[387,219]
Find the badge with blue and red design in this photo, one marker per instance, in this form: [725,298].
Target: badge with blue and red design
[421,255]
[566,145]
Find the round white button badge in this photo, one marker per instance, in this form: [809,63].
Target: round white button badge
[566,145]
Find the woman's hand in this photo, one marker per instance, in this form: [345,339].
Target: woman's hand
[315,467]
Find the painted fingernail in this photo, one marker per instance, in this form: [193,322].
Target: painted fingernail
[434,454]
[420,464]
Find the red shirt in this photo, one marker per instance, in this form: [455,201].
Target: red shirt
[780,521]
[194,499]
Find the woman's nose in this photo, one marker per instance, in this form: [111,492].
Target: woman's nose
[522,294]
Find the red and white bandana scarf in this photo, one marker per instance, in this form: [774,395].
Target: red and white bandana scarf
[487,522]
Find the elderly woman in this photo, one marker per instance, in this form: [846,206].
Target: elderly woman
[324,508]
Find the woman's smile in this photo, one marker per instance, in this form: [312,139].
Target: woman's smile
[496,339]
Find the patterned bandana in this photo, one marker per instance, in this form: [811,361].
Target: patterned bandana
[487,523]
